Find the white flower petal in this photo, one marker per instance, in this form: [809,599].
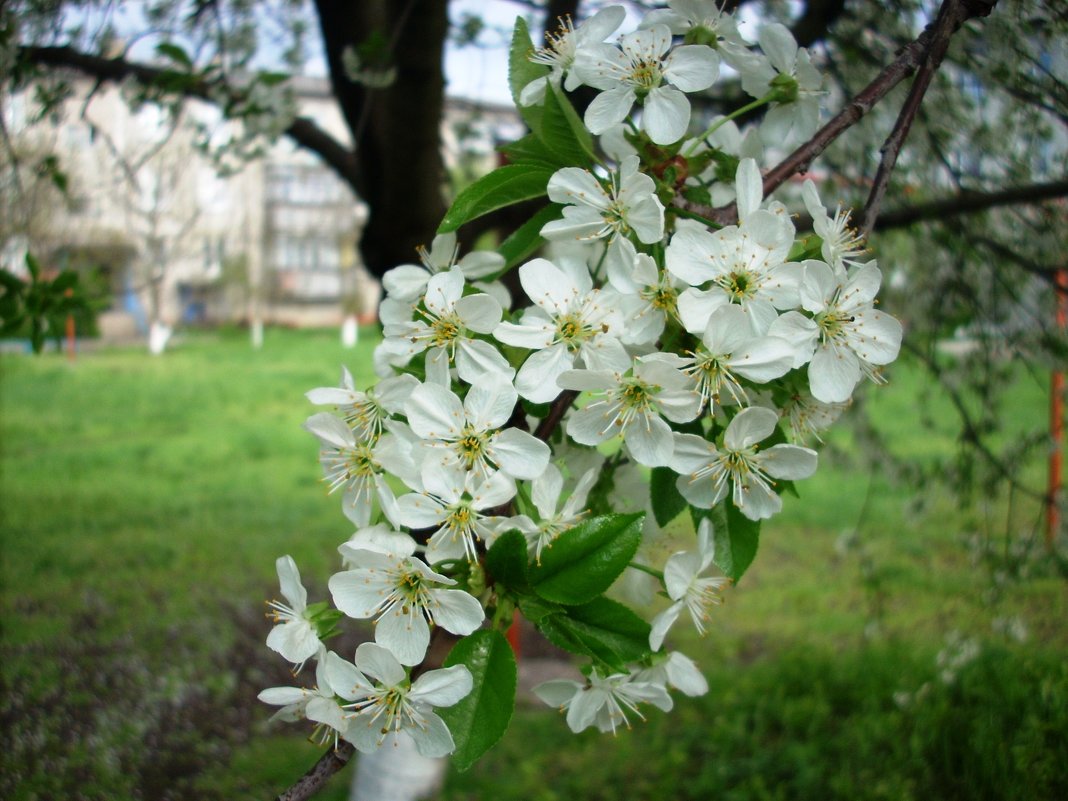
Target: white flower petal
[435,412]
[666,115]
[789,462]
[692,67]
[610,108]
[749,427]
[520,454]
[378,663]
[443,687]
[405,635]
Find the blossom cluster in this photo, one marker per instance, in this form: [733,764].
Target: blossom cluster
[655,343]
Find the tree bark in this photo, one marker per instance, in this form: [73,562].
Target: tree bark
[399,168]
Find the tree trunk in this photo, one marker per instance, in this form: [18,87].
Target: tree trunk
[395,130]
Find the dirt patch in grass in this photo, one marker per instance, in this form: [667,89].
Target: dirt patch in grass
[93,717]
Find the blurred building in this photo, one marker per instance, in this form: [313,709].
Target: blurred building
[180,238]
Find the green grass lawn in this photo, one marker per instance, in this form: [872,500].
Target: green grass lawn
[144,501]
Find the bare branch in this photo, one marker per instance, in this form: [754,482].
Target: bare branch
[971,202]
[944,26]
[905,64]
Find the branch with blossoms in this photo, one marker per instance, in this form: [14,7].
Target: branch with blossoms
[674,370]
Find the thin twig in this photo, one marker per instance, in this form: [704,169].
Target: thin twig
[905,64]
[945,25]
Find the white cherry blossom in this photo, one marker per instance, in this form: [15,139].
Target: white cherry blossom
[687,589]
[561,47]
[408,282]
[699,21]
[632,406]
[390,706]
[449,320]
[708,473]
[650,295]
[454,501]
[628,205]
[570,321]
[787,70]
[295,636]
[729,352]
[846,337]
[602,701]
[554,519]
[678,672]
[320,703]
[842,246]
[381,538]
[358,464]
[365,411]
[641,69]
[809,417]
[472,433]
[744,264]
[405,597]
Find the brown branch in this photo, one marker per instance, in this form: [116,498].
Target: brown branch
[312,781]
[905,64]
[303,130]
[945,24]
[556,413]
[971,202]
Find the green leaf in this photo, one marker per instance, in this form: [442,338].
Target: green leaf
[527,238]
[504,186]
[603,629]
[34,267]
[479,721]
[563,133]
[174,53]
[68,279]
[535,609]
[506,561]
[521,71]
[736,537]
[531,150]
[585,560]
[667,502]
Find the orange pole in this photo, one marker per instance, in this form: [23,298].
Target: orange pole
[1056,421]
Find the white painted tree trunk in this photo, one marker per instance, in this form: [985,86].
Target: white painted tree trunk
[396,772]
[350,332]
[158,336]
